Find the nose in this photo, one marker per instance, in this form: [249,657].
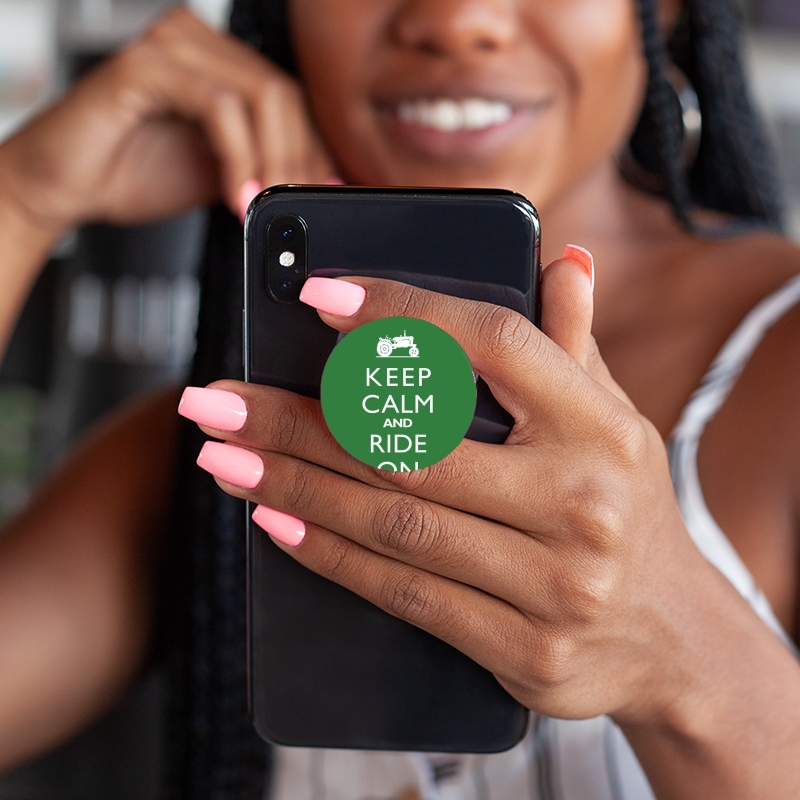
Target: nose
[450,27]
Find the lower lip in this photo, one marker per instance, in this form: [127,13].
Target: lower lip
[460,145]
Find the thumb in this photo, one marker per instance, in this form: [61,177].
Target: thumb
[568,303]
[567,310]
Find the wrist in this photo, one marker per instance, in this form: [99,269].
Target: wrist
[724,718]
[24,236]
[25,244]
[34,212]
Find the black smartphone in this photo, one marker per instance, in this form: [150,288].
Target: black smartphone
[327,668]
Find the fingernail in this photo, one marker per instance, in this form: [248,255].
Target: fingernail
[334,296]
[232,464]
[580,255]
[334,180]
[283,527]
[216,408]
[250,188]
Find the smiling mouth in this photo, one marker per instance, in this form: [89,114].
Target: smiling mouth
[459,129]
[451,116]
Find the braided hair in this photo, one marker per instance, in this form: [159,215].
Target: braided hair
[211,748]
[733,172]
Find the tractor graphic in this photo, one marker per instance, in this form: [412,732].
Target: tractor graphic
[386,345]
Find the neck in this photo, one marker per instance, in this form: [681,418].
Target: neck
[636,243]
[611,219]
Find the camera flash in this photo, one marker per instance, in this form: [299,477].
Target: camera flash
[286,258]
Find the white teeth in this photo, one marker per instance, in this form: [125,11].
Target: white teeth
[448,115]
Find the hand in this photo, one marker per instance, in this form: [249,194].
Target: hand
[550,559]
[179,118]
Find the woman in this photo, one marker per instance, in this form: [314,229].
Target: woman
[580,583]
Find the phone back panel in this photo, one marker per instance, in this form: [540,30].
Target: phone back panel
[327,668]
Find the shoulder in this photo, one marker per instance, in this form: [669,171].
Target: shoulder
[752,260]
[749,458]
[732,275]
[764,270]
[761,252]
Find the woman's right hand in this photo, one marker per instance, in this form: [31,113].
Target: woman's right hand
[181,117]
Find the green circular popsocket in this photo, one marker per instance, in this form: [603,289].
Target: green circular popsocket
[398,393]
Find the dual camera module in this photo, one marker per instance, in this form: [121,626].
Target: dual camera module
[287,244]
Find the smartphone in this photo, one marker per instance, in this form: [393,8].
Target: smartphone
[327,668]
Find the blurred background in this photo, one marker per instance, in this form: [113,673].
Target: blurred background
[114,314]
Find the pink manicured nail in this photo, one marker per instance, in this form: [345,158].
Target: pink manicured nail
[216,408]
[580,255]
[280,526]
[232,464]
[334,296]
[249,190]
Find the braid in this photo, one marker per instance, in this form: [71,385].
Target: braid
[656,143]
[265,25]
[733,173]
[212,751]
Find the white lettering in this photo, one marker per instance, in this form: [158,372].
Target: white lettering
[393,467]
[364,404]
[398,443]
[420,402]
[397,423]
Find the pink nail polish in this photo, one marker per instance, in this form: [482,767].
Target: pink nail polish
[580,255]
[334,296]
[283,527]
[216,408]
[249,190]
[232,464]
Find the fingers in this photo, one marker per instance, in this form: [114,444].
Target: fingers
[252,117]
[520,364]
[286,147]
[449,610]
[515,485]
[531,658]
[531,377]
[567,303]
[567,311]
[420,533]
[167,87]
[497,595]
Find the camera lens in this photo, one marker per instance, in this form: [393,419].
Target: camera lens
[286,255]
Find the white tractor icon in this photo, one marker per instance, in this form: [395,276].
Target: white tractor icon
[387,345]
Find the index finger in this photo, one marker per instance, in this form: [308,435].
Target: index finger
[523,368]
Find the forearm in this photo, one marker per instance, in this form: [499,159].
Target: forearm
[732,731]
[77,575]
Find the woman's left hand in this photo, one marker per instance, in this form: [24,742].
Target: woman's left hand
[557,560]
